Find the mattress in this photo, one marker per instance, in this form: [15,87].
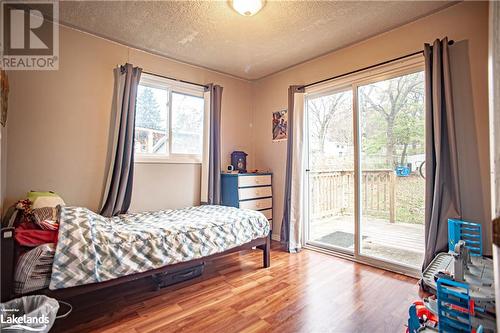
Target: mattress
[93,248]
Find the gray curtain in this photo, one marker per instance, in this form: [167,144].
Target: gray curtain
[285,222]
[441,168]
[118,190]
[214,182]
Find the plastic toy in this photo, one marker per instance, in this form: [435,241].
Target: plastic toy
[402,171]
[420,318]
[470,233]
[454,306]
[461,260]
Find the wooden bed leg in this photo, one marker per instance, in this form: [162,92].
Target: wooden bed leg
[266,252]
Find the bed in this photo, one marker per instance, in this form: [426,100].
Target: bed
[93,251]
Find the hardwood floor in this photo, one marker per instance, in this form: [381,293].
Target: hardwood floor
[304,292]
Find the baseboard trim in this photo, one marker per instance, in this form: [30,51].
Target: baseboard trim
[275,237]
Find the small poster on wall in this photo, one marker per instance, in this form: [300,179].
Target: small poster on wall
[280,125]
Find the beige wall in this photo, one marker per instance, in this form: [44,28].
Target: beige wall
[3,168]
[59,123]
[467,24]
[163,186]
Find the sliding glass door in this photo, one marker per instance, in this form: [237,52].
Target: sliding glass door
[331,169]
[391,114]
[365,176]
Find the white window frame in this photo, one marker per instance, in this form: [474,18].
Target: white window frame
[172,86]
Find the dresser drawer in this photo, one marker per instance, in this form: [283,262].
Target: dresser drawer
[255,192]
[268,213]
[258,204]
[248,181]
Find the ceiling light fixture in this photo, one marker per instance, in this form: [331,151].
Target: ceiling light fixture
[247,7]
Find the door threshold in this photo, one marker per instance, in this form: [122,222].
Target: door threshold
[376,263]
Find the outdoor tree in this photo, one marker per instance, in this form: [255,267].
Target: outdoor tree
[393,116]
[148,113]
[391,120]
[187,123]
[322,111]
[188,115]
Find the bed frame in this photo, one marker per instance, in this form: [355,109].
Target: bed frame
[263,243]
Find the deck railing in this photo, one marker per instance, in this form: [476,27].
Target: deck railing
[332,193]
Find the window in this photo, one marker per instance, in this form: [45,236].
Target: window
[169,121]
[187,124]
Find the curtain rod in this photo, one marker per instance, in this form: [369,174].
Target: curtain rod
[451,42]
[171,78]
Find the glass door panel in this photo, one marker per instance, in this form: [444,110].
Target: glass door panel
[392,143]
[331,169]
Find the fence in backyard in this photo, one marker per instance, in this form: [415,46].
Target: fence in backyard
[332,193]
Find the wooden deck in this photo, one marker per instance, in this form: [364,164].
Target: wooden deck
[394,241]
[304,292]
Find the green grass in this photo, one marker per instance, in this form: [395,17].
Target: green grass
[410,201]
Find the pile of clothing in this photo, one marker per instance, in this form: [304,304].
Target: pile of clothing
[36,230]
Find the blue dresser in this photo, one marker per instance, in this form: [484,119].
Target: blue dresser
[249,190]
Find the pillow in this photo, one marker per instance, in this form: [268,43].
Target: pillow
[28,234]
[44,199]
[47,218]
[33,269]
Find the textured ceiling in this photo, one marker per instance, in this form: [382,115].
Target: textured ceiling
[212,35]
